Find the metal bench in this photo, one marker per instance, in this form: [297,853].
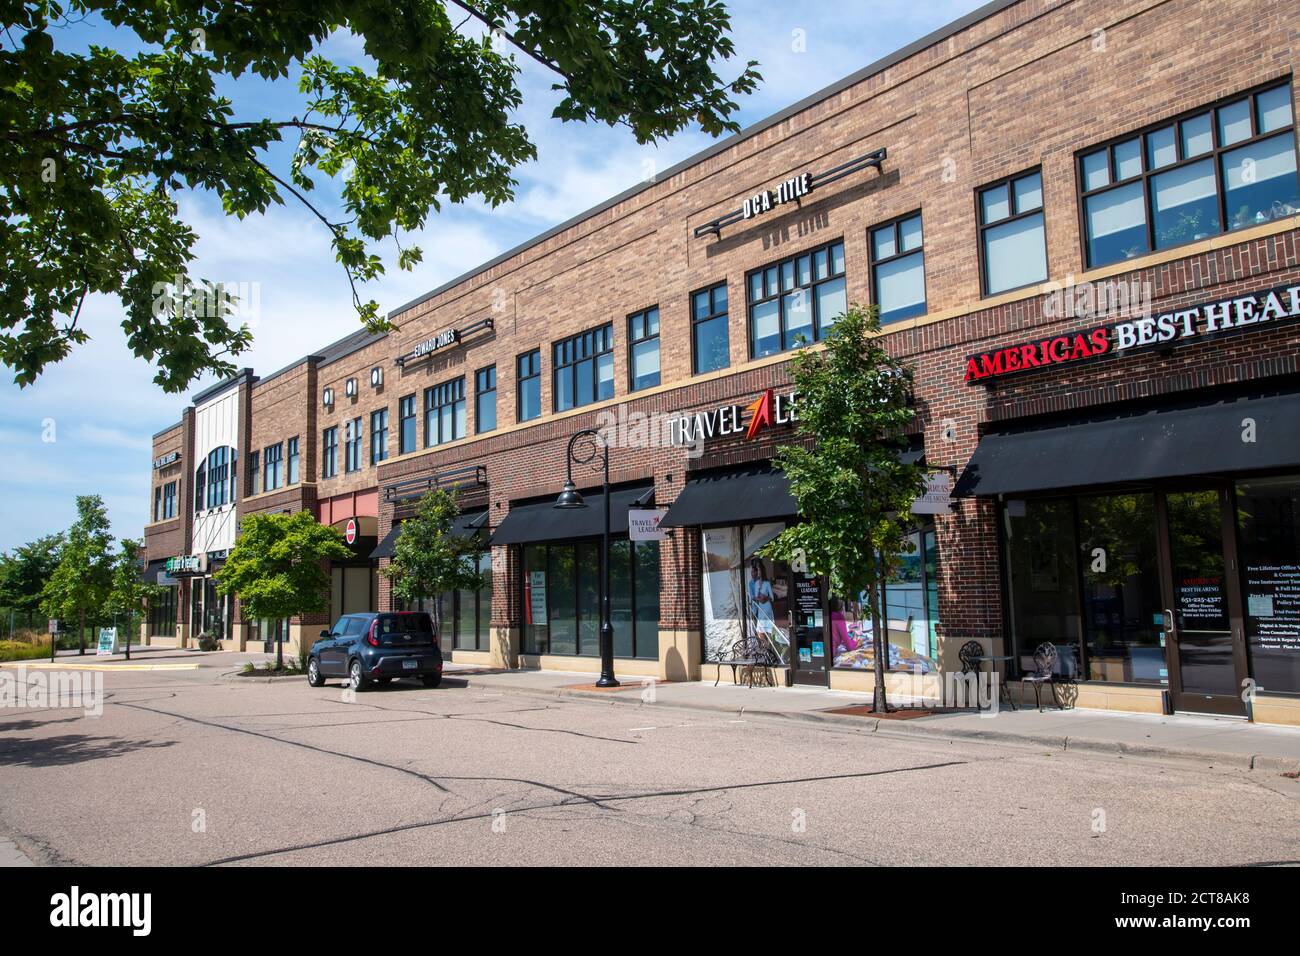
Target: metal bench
[753,657]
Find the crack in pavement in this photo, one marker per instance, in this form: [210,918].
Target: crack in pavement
[569,802]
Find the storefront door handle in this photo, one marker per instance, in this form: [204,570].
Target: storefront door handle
[1169,623]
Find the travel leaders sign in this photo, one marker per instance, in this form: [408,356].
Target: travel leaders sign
[1198,322]
[766,411]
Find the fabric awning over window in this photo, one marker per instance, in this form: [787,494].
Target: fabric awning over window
[1212,437]
[154,570]
[737,496]
[527,524]
[464,526]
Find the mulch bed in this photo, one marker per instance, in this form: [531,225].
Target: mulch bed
[904,713]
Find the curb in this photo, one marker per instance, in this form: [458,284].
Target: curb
[241,678]
[1063,743]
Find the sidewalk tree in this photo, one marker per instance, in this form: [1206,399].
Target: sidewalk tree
[130,593]
[79,586]
[429,559]
[23,573]
[99,142]
[277,567]
[854,492]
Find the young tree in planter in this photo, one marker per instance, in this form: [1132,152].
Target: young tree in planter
[277,567]
[130,593]
[855,494]
[428,559]
[79,586]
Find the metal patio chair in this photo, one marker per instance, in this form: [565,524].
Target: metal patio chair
[1044,663]
[967,655]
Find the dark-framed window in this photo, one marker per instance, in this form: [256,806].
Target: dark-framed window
[485,399]
[444,412]
[568,576]
[710,343]
[898,268]
[407,424]
[795,301]
[292,467]
[215,479]
[583,368]
[255,471]
[157,502]
[352,437]
[1012,232]
[1219,168]
[643,349]
[528,385]
[378,436]
[169,500]
[329,458]
[272,473]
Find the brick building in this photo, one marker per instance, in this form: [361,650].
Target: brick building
[1071,215]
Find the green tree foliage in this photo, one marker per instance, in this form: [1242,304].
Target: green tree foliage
[80,584]
[428,558]
[855,494]
[96,143]
[277,566]
[129,594]
[23,574]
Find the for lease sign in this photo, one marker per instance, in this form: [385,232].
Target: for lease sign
[1236,313]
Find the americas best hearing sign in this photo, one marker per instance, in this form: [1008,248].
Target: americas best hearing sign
[1197,322]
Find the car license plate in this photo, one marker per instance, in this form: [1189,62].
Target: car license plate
[410,664]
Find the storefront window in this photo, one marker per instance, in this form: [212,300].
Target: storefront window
[1268,519]
[1121,589]
[910,609]
[1043,580]
[744,595]
[162,613]
[561,598]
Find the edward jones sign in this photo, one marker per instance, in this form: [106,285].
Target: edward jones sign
[1240,313]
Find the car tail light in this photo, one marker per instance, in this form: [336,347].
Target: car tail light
[370,634]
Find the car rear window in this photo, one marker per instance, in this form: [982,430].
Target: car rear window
[406,624]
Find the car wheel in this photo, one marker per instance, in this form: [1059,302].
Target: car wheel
[314,677]
[431,680]
[356,678]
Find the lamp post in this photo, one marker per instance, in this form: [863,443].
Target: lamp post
[570,498]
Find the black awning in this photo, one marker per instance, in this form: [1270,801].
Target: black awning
[737,496]
[463,526]
[542,521]
[154,570]
[1166,441]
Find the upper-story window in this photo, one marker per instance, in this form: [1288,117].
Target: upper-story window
[485,399]
[710,345]
[378,436]
[329,457]
[898,269]
[528,385]
[272,467]
[352,437]
[164,501]
[444,412]
[1183,180]
[643,348]
[1013,234]
[407,424]
[795,301]
[583,368]
[214,479]
[293,460]
[255,471]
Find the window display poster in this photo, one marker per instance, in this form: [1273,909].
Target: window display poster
[536,603]
[1273,605]
[721,590]
[767,593]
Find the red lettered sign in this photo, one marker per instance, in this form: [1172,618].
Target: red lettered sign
[1044,353]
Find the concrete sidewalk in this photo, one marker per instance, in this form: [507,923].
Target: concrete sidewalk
[1214,740]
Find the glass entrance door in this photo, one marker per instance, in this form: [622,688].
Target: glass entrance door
[1202,615]
[810,653]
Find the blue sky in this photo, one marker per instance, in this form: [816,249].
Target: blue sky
[85,427]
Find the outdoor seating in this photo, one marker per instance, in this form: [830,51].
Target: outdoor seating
[753,659]
[1044,663]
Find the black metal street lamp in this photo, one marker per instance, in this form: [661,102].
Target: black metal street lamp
[570,498]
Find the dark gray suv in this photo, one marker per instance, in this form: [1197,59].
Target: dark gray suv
[377,647]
